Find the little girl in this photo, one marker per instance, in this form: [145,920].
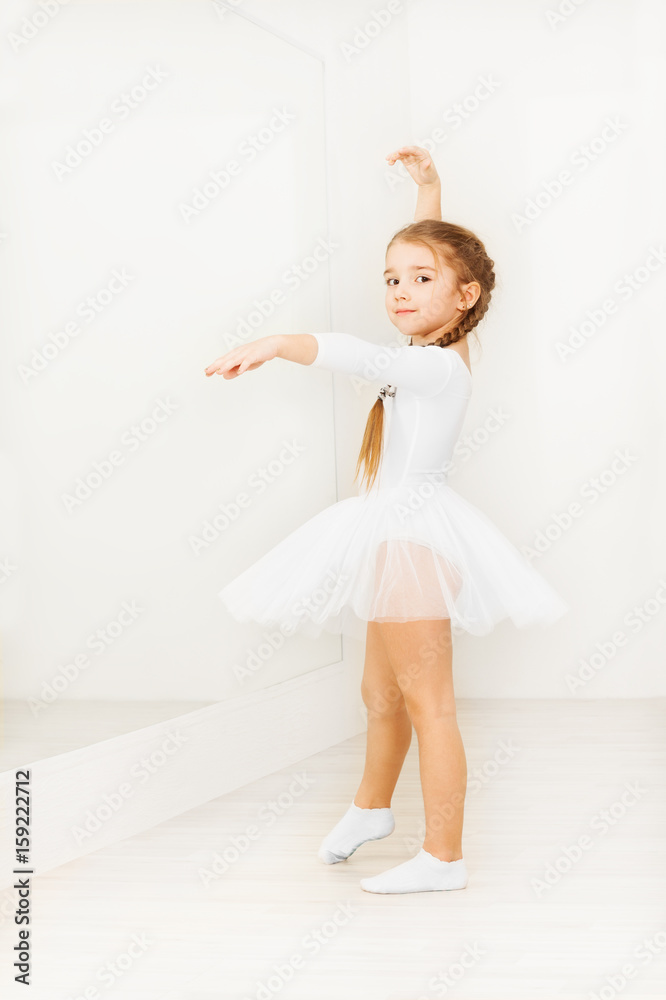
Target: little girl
[409,559]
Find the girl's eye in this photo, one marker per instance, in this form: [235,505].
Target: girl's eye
[424,276]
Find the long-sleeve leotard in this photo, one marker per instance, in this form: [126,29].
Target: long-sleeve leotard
[423,370]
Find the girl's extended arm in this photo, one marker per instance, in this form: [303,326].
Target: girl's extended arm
[299,347]
[424,371]
[419,163]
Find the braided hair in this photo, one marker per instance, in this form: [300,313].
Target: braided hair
[466,255]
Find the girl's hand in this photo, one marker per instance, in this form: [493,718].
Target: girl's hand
[418,161]
[245,358]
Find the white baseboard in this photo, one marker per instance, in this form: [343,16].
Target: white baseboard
[100,794]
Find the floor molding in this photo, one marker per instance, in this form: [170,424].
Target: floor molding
[102,793]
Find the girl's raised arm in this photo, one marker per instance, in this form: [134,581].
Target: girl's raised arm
[420,165]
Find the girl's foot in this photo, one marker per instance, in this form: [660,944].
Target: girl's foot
[355,828]
[420,874]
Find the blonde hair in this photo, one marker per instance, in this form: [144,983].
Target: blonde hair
[466,255]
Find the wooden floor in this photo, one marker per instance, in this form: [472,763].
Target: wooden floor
[278,922]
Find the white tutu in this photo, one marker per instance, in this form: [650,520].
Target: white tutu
[401,553]
[409,549]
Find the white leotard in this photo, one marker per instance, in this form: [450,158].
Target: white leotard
[423,420]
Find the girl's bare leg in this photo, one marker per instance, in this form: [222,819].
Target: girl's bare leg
[389,734]
[420,655]
[389,726]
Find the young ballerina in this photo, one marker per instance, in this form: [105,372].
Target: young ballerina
[409,559]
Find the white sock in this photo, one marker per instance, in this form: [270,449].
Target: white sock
[356,826]
[419,874]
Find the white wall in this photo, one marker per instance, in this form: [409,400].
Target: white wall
[553,90]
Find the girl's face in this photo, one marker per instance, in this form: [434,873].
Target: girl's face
[421,303]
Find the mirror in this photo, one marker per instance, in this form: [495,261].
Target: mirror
[168,208]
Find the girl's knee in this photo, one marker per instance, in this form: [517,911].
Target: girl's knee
[425,714]
[383,700]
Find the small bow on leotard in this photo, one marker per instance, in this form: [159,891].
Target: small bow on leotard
[386,390]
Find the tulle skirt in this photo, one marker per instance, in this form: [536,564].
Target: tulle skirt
[401,553]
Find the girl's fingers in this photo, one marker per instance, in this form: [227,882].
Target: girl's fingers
[229,370]
[234,363]
[219,365]
[410,155]
[408,151]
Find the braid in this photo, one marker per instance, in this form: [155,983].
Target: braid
[482,269]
